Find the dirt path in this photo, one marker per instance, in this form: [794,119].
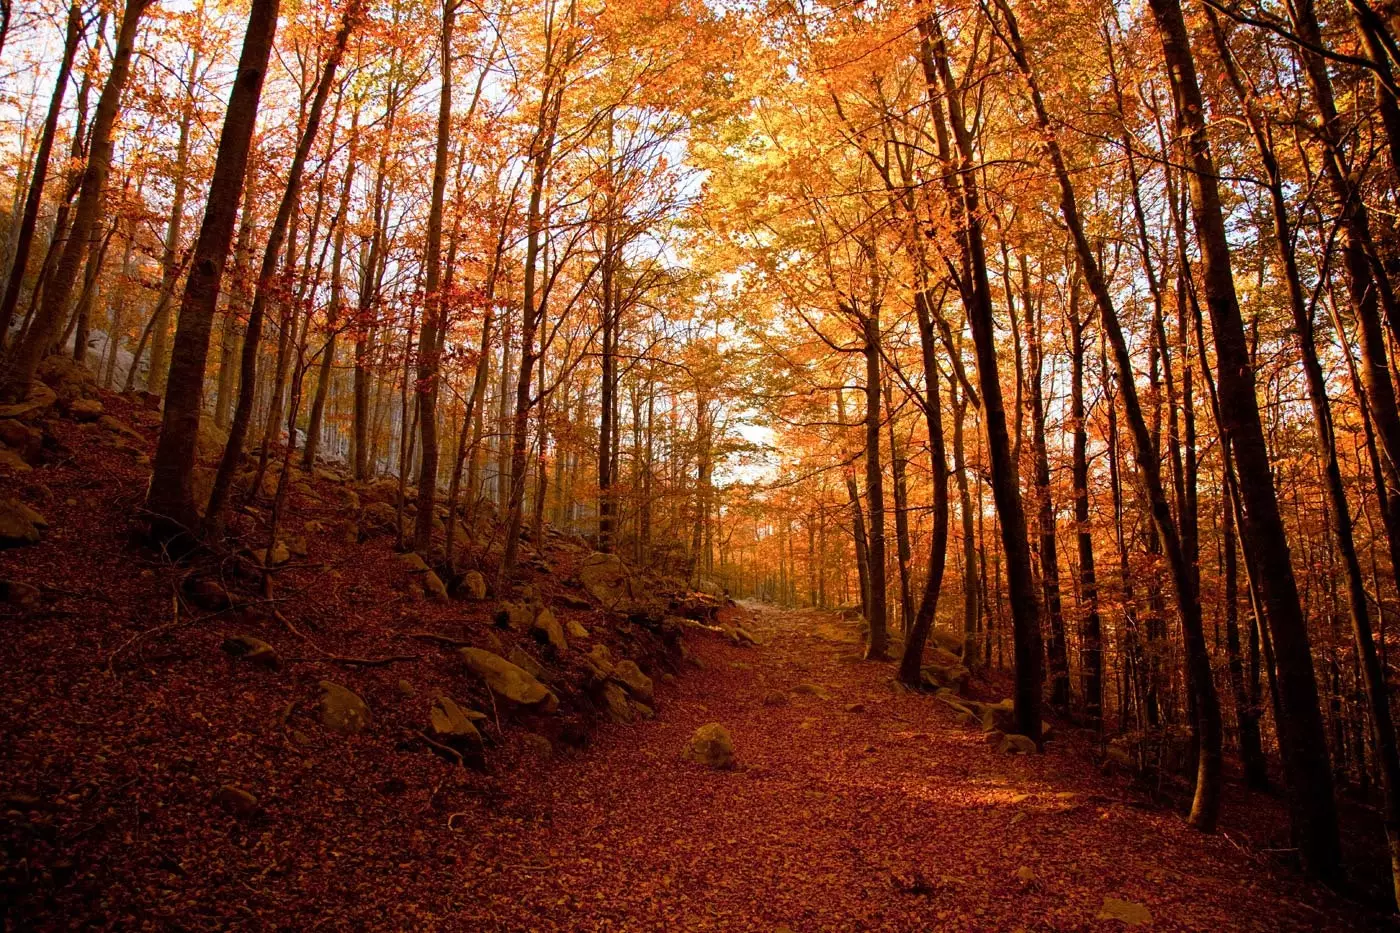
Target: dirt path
[860,809]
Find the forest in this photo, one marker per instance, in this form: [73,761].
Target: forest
[1016,365]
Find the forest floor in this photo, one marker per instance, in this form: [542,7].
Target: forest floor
[854,806]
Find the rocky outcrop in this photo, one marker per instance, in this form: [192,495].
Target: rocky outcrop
[607,579]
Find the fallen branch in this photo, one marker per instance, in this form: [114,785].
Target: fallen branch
[440,639]
[340,658]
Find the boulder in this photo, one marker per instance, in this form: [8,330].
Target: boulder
[210,441]
[236,800]
[615,701]
[628,674]
[775,698]
[575,630]
[66,376]
[253,650]
[413,562]
[342,710]
[120,428]
[547,628]
[474,585]
[451,725]
[345,497]
[433,587]
[347,530]
[606,578]
[280,555]
[600,662]
[537,744]
[712,745]
[12,462]
[19,524]
[509,681]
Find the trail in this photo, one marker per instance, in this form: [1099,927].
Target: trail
[854,807]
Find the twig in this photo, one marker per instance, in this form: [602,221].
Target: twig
[440,639]
[339,658]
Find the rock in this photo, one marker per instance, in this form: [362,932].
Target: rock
[509,680]
[66,376]
[855,708]
[120,428]
[236,800]
[23,595]
[547,627]
[25,441]
[600,660]
[606,578]
[949,642]
[19,524]
[742,636]
[433,587]
[1013,744]
[451,726]
[12,462]
[775,698]
[413,562]
[210,441]
[378,518]
[296,545]
[384,490]
[615,701]
[1025,874]
[85,409]
[575,630]
[474,585]
[342,710]
[407,689]
[253,650]
[712,745]
[953,677]
[518,617]
[521,659]
[280,555]
[1129,913]
[37,404]
[630,676]
[813,690]
[345,497]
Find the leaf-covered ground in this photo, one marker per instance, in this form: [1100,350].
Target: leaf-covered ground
[854,807]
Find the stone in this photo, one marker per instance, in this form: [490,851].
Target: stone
[606,578]
[712,745]
[66,376]
[345,497]
[413,562]
[236,800]
[952,677]
[296,545]
[615,702]
[775,698]
[19,524]
[210,441]
[547,628]
[569,601]
[451,726]
[342,710]
[347,530]
[120,428]
[253,650]
[35,405]
[27,442]
[474,584]
[600,661]
[639,685]
[406,688]
[1025,874]
[1013,744]
[644,711]
[433,587]
[509,681]
[280,555]
[378,518]
[518,617]
[813,690]
[521,659]
[12,462]
[1130,913]
[575,629]
[86,409]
